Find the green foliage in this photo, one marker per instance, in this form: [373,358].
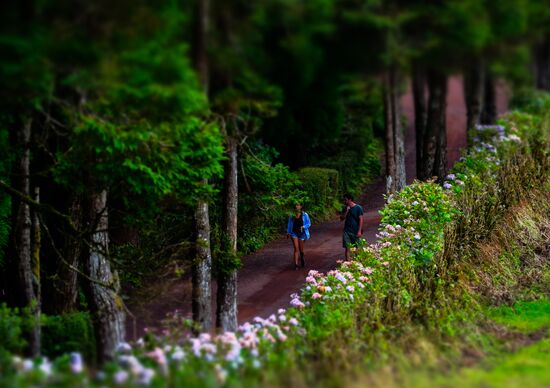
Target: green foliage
[148,160]
[536,103]
[355,151]
[26,71]
[423,210]
[72,332]
[321,186]
[162,248]
[11,334]
[153,81]
[60,334]
[144,124]
[268,190]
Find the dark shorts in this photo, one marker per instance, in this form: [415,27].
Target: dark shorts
[300,236]
[349,238]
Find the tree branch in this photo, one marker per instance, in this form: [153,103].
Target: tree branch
[36,205]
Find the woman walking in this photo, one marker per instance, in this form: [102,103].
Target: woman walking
[298,230]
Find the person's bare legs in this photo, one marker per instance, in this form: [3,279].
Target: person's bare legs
[296,244]
[346,254]
[301,244]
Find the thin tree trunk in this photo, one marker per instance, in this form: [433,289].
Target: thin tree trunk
[542,64]
[104,299]
[202,264]
[435,124]
[440,165]
[23,230]
[66,281]
[389,128]
[419,96]
[398,140]
[202,270]
[489,112]
[474,80]
[35,263]
[226,314]
[200,48]
[395,147]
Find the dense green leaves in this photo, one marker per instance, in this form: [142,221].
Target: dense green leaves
[142,158]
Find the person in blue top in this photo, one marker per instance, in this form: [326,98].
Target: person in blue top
[298,230]
[352,213]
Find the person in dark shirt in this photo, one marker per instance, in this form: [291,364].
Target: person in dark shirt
[298,230]
[352,213]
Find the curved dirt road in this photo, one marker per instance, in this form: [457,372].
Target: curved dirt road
[268,277]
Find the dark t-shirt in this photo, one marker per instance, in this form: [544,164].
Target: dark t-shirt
[297,225]
[352,219]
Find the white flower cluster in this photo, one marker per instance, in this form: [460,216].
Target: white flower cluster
[221,354]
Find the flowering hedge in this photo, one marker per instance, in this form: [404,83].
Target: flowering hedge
[339,316]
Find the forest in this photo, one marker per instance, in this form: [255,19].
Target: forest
[143,141]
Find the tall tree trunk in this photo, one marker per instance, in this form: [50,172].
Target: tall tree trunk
[389,128]
[395,148]
[22,230]
[226,314]
[398,139]
[440,165]
[474,80]
[202,263]
[435,124]
[419,96]
[66,282]
[200,55]
[35,264]
[202,270]
[489,112]
[103,288]
[542,64]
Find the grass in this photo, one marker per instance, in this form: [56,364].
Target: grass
[526,367]
[523,316]
[529,367]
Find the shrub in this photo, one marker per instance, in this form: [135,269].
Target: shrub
[11,334]
[321,187]
[72,332]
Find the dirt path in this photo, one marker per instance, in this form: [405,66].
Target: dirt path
[268,277]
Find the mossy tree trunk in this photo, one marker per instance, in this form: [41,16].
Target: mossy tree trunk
[226,313]
[202,263]
[36,282]
[66,281]
[202,270]
[103,284]
[22,232]
[395,149]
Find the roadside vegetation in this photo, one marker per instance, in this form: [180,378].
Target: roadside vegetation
[457,273]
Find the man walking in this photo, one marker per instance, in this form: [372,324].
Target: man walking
[353,225]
